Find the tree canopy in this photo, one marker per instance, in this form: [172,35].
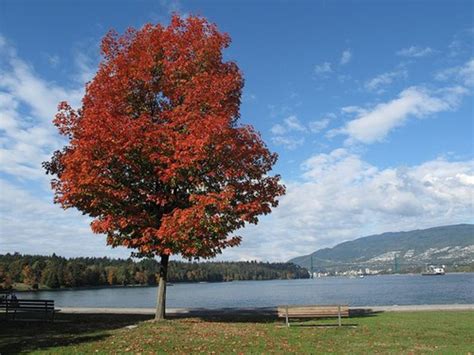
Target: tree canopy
[155,154]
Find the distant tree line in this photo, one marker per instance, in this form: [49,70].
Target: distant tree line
[34,271]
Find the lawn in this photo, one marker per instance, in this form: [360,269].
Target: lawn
[413,332]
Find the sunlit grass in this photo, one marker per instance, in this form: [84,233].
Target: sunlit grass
[407,332]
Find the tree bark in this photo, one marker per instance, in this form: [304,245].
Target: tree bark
[161,297]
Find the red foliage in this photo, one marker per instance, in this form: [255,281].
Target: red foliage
[155,154]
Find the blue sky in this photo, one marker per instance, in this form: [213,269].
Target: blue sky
[368,104]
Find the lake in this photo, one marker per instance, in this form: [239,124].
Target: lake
[367,291]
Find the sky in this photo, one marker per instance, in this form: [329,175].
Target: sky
[369,105]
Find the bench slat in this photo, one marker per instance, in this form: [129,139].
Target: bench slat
[312,315]
[27,303]
[313,311]
[311,307]
[319,310]
[27,306]
[310,311]
[33,301]
[31,310]
[30,306]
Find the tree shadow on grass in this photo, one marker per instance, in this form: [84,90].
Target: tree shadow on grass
[231,315]
[67,329]
[310,324]
[252,315]
[70,329]
[363,312]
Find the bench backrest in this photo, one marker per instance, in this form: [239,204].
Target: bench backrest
[46,305]
[314,311]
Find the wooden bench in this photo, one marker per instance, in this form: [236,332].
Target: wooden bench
[314,311]
[12,307]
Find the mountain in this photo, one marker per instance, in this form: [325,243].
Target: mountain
[447,245]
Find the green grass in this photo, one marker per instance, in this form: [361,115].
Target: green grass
[413,332]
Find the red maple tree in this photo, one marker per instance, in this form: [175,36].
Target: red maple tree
[155,154]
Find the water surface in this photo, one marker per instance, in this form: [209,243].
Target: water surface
[368,291]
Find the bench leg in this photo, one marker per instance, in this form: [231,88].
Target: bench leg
[339,316]
[287,321]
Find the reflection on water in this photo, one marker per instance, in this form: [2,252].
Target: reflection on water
[368,291]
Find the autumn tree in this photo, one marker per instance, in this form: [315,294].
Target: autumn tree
[29,277]
[5,279]
[111,275]
[155,155]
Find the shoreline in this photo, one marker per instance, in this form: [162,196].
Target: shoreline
[261,310]
[172,283]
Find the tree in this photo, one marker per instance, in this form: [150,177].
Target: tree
[15,269]
[50,276]
[29,277]
[111,273]
[155,153]
[5,279]
[37,268]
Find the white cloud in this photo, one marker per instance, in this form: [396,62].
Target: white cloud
[353,109]
[461,42]
[29,221]
[343,78]
[319,125]
[463,73]
[343,197]
[167,8]
[374,124]
[293,124]
[346,57]
[27,107]
[284,132]
[323,69]
[381,81]
[289,124]
[86,67]
[415,52]
[290,143]
[466,73]
[278,129]
[171,6]
[34,225]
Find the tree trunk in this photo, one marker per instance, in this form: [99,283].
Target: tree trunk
[161,298]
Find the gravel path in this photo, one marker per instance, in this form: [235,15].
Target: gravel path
[264,310]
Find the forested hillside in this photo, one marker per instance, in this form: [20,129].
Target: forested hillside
[35,271]
[411,250]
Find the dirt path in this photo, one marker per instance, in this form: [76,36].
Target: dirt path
[262,310]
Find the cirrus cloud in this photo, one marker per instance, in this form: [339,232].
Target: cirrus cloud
[415,52]
[462,73]
[381,81]
[323,69]
[346,57]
